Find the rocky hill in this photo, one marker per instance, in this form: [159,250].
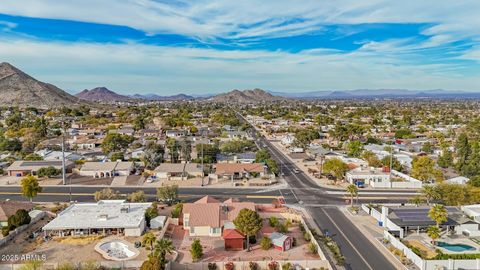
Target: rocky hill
[155,97]
[246,96]
[19,89]
[101,94]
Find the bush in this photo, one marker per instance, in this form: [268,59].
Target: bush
[265,243]
[177,210]
[212,266]
[253,266]
[196,250]
[229,266]
[287,266]
[5,231]
[294,241]
[273,265]
[307,236]
[281,228]
[312,247]
[273,221]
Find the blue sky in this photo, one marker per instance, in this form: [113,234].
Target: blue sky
[200,47]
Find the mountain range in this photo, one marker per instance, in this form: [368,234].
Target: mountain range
[19,89]
[380,93]
[101,94]
[155,97]
[246,96]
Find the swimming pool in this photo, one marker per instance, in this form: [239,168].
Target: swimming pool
[455,247]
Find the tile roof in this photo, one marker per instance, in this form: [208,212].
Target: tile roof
[8,208]
[239,167]
[232,234]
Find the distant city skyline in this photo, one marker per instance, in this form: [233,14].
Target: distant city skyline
[208,47]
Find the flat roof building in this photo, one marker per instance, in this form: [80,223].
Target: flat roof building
[103,217]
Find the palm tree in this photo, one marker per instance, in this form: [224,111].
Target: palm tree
[438,213]
[430,193]
[162,247]
[353,190]
[149,239]
[434,233]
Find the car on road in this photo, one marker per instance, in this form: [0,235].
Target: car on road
[296,170]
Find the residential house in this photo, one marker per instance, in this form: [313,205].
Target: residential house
[367,176]
[178,171]
[239,170]
[9,208]
[461,180]
[175,133]
[104,217]
[208,216]
[21,168]
[107,169]
[236,158]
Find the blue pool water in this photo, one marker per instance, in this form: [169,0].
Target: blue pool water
[455,247]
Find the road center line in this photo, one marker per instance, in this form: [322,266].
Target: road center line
[346,238]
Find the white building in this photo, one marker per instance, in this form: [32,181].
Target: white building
[104,217]
[107,169]
[368,176]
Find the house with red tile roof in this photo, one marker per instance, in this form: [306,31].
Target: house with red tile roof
[239,170]
[208,216]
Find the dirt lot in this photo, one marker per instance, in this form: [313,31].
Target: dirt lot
[75,179]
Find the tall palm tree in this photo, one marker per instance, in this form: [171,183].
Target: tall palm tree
[162,247]
[149,239]
[430,193]
[434,233]
[353,190]
[438,213]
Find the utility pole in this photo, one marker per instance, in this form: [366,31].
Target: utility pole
[63,151]
[203,170]
[391,160]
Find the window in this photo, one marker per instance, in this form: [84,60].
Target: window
[192,230]
[215,230]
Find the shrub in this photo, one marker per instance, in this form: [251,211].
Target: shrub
[281,228]
[212,266]
[196,250]
[287,266]
[229,266]
[266,243]
[273,221]
[253,266]
[307,236]
[273,265]
[294,241]
[177,210]
[312,247]
[5,231]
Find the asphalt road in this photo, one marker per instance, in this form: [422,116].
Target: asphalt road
[358,251]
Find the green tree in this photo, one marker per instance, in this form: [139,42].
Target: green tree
[168,194]
[249,223]
[354,149]
[149,239]
[272,166]
[353,191]
[32,265]
[30,187]
[434,233]
[427,147]
[33,157]
[438,213]
[372,159]
[162,247]
[396,165]
[403,133]
[265,243]
[262,156]
[430,193]
[336,167]
[115,142]
[196,250]
[417,200]
[445,160]
[153,155]
[116,156]
[423,168]
[151,212]
[106,194]
[463,151]
[137,196]
[49,171]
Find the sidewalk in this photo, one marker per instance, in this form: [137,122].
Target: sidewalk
[372,232]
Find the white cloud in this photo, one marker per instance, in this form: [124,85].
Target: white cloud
[130,68]
[208,20]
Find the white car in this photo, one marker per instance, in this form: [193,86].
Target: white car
[296,171]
